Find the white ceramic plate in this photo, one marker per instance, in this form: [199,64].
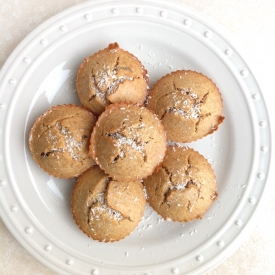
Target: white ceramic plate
[165,36]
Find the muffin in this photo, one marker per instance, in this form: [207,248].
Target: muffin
[105,209]
[183,187]
[111,75]
[59,140]
[188,104]
[128,142]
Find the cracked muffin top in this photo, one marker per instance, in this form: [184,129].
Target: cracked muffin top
[105,209]
[183,187]
[128,141]
[59,140]
[188,103]
[111,75]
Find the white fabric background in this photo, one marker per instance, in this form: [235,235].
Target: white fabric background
[251,24]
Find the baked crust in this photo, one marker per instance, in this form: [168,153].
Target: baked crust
[188,104]
[183,187]
[104,209]
[128,141]
[111,75]
[59,140]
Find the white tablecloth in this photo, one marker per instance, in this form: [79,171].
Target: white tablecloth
[251,23]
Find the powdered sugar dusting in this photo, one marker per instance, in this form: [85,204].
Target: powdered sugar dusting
[71,144]
[103,208]
[122,140]
[128,136]
[145,193]
[106,81]
[189,108]
[180,186]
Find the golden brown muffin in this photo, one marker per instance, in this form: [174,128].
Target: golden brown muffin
[128,142]
[59,140]
[111,75]
[105,209]
[183,187]
[188,103]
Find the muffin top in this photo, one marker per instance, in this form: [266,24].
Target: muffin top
[111,75]
[188,103]
[105,209]
[183,187]
[128,142]
[59,140]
